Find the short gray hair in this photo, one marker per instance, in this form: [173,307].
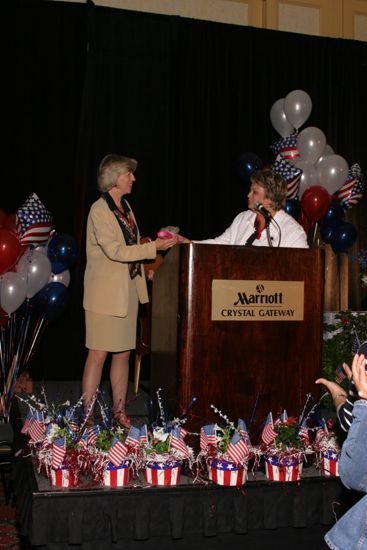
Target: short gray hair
[274,186]
[110,168]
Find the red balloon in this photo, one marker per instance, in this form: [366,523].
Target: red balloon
[304,221]
[315,202]
[10,249]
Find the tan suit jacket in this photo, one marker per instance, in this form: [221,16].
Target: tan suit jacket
[106,274]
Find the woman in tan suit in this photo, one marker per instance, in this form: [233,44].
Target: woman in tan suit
[114,281]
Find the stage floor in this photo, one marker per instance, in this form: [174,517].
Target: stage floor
[260,514]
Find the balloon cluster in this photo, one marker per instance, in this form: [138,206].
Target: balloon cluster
[34,279]
[325,187]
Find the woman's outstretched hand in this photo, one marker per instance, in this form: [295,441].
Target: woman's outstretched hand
[165,244]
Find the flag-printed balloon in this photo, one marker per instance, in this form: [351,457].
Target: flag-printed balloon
[291,174]
[34,222]
[352,189]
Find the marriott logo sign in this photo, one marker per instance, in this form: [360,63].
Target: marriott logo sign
[238,300]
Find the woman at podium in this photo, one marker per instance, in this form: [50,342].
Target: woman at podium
[265,223]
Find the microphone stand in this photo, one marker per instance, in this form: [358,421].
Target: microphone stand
[267,229]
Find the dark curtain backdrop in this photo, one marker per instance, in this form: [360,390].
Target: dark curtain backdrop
[185,97]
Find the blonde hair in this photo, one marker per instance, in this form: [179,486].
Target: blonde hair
[110,168]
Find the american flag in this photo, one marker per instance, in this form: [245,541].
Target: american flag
[352,189]
[286,147]
[83,442]
[322,431]
[283,417]
[27,423]
[58,452]
[291,174]
[143,437]
[243,431]
[355,342]
[34,222]
[117,452]
[178,443]
[207,436]
[339,374]
[92,435]
[46,441]
[268,434]
[237,449]
[133,437]
[37,427]
[303,433]
[73,425]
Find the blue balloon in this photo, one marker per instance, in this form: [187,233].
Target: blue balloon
[327,229]
[62,252]
[335,214]
[52,300]
[248,163]
[293,208]
[343,237]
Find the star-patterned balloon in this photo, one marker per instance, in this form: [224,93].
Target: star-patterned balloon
[34,222]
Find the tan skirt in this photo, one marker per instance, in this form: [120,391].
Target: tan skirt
[110,333]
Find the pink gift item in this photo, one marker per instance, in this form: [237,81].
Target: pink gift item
[116,476]
[329,463]
[163,474]
[165,234]
[62,477]
[288,470]
[227,473]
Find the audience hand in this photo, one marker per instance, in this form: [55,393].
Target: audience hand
[337,393]
[360,375]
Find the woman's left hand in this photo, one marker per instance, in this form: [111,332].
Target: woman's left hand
[360,375]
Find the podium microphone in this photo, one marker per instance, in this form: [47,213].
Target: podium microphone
[261,208]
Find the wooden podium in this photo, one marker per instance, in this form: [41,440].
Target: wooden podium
[245,365]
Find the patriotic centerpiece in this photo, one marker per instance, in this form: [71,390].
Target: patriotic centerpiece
[164,449]
[327,449]
[226,450]
[56,439]
[111,454]
[284,443]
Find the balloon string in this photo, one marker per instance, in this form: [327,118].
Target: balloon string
[2,355]
[41,325]
[10,386]
[23,336]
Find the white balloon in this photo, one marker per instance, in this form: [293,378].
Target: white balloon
[328,151]
[279,120]
[13,291]
[35,267]
[63,278]
[308,177]
[332,171]
[42,249]
[311,143]
[297,107]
